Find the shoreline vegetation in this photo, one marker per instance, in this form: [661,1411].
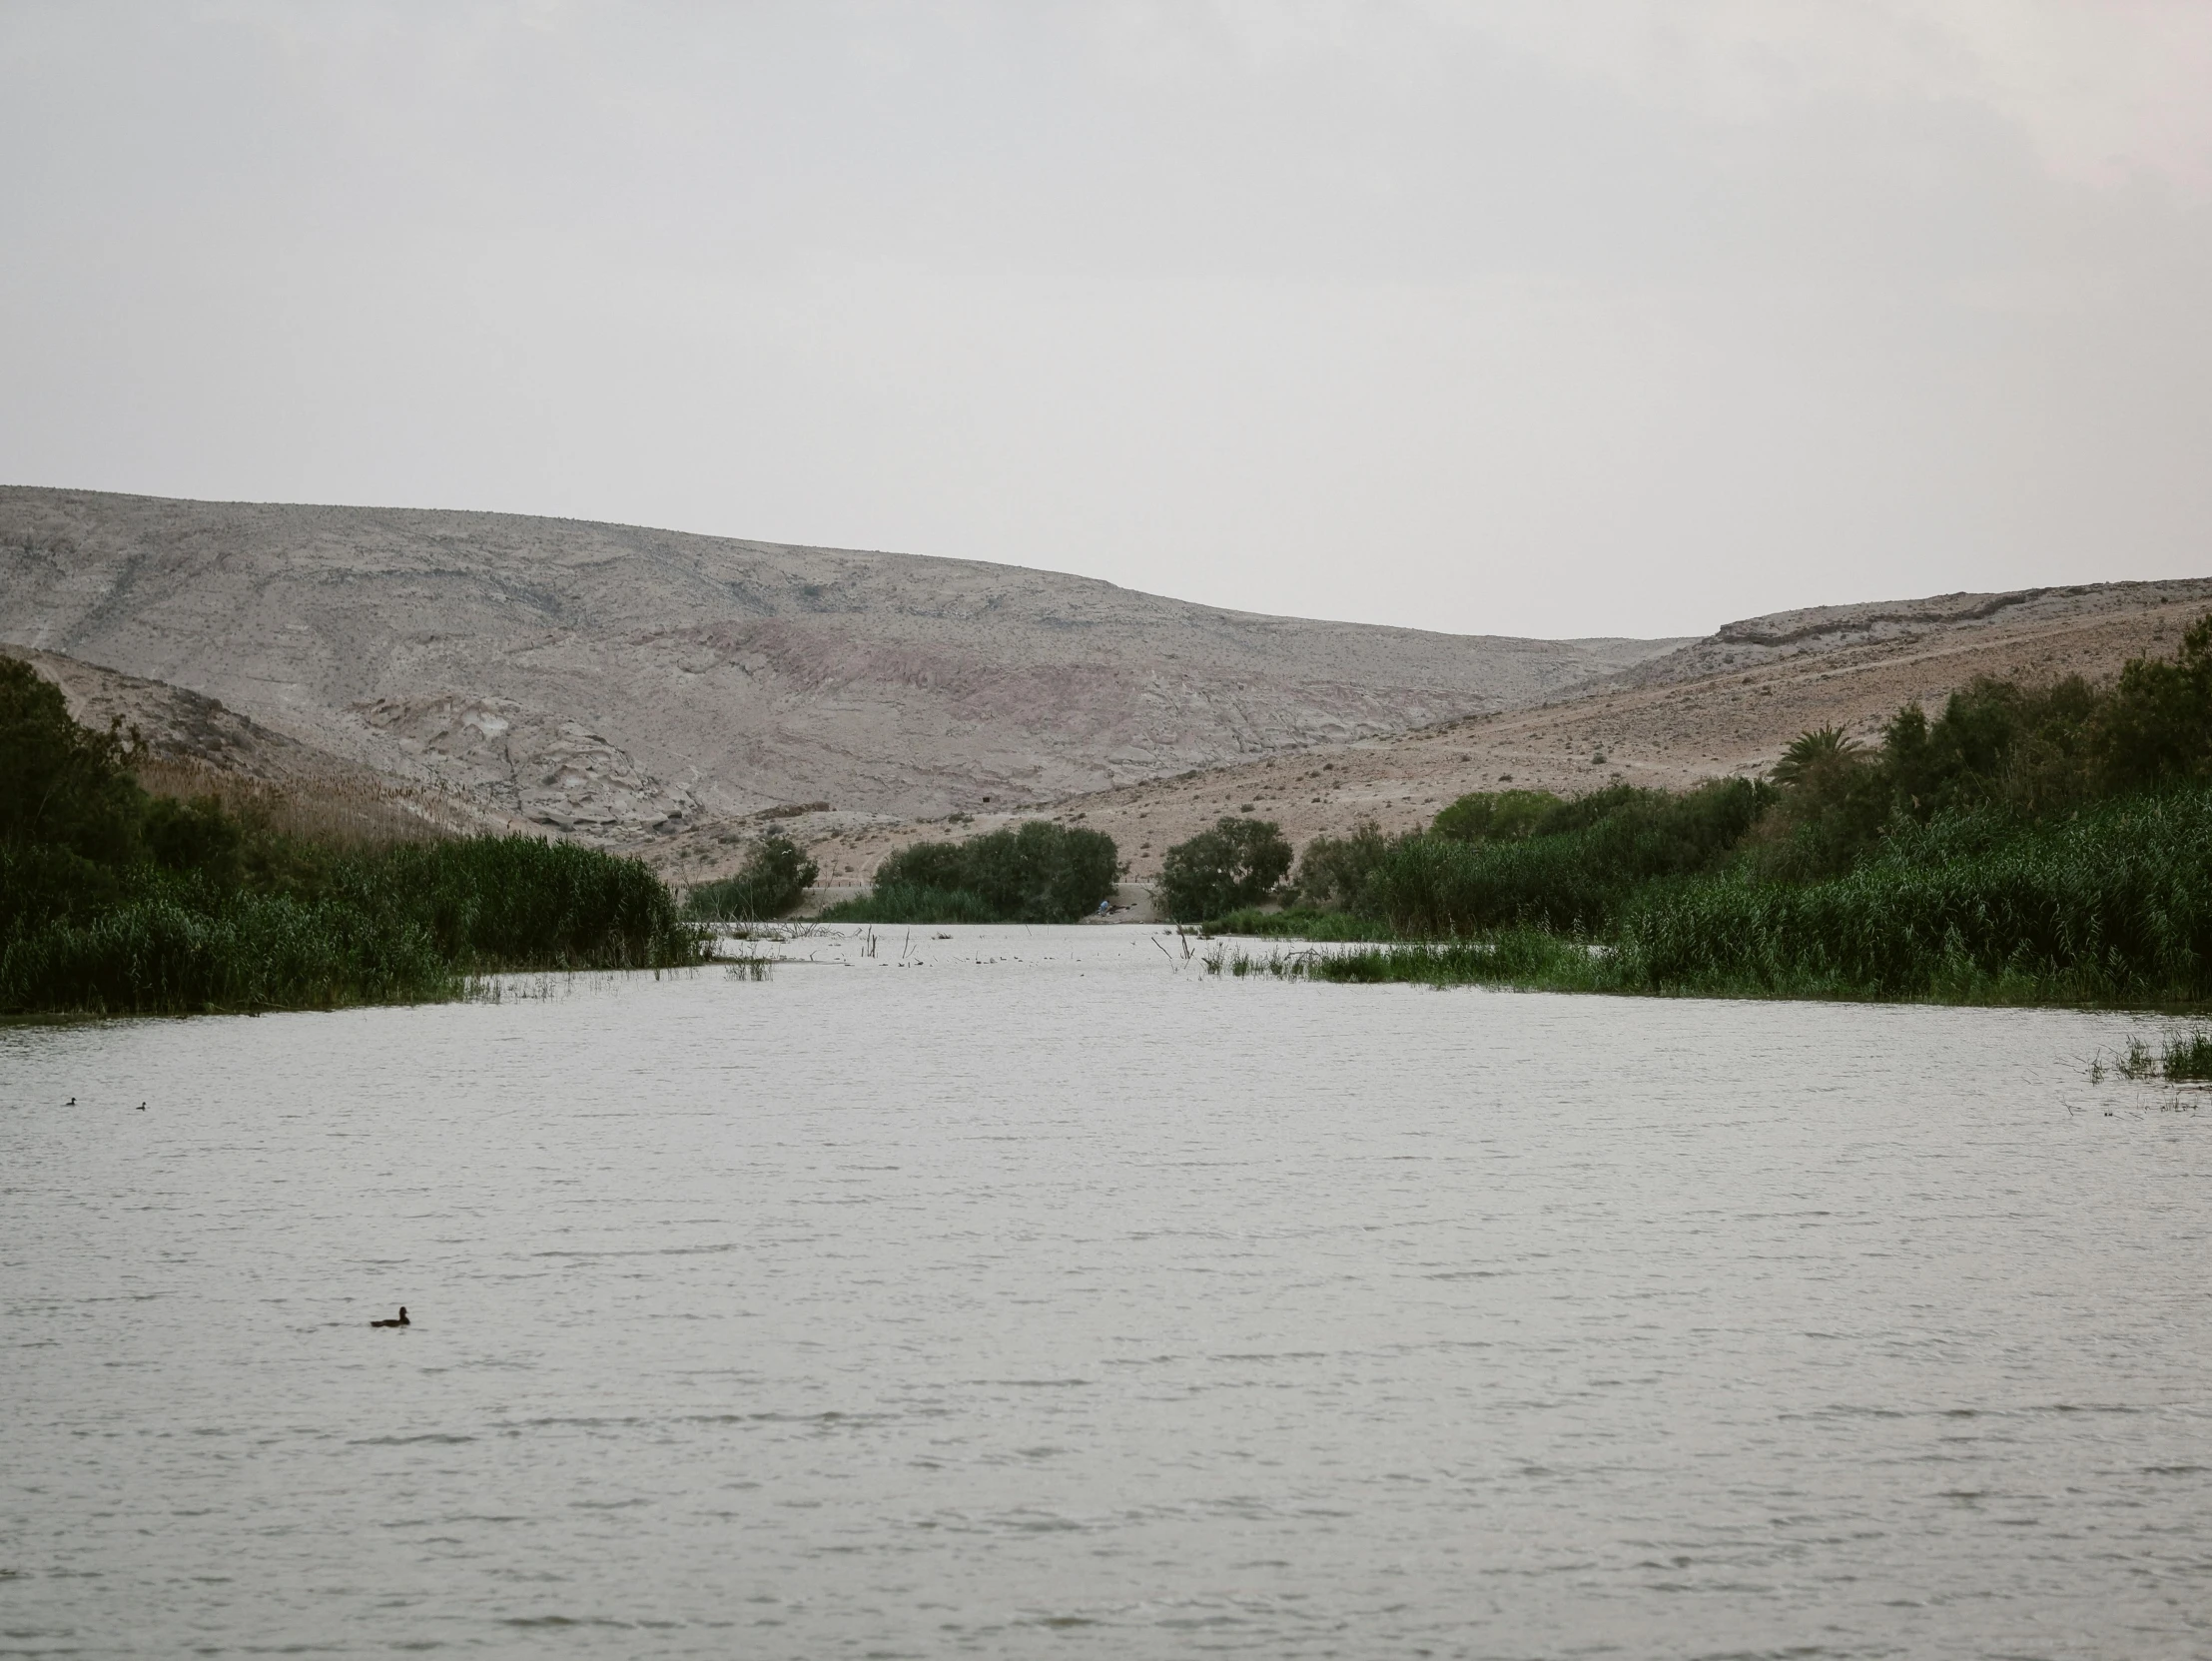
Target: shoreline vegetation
[2031,844]
[114,901]
[1035,873]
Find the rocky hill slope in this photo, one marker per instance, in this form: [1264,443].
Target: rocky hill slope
[188,744]
[623,683]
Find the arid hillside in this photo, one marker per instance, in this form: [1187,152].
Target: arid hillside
[624,684]
[1724,705]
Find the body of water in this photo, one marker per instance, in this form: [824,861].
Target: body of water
[1032,1293]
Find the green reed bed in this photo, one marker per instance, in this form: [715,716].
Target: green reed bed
[2030,844]
[913,903]
[2112,906]
[501,903]
[159,955]
[114,901]
[410,924]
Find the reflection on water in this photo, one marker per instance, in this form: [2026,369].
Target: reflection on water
[1029,1291]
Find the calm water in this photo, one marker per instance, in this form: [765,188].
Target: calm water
[1040,1296]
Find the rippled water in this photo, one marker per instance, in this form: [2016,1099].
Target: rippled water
[1040,1294]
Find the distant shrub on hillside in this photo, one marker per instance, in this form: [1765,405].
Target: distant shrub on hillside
[1500,816]
[1036,873]
[775,877]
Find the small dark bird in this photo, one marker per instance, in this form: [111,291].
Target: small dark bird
[401,1321]
[141,1106]
[72,1102]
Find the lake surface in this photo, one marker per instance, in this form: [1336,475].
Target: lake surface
[1039,1294]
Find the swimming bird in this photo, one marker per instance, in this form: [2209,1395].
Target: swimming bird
[141,1106]
[72,1102]
[401,1321]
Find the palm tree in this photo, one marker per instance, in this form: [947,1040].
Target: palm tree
[1810,754]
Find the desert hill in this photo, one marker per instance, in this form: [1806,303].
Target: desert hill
[1727,705]
[624,683]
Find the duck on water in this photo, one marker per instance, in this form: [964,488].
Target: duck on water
[401,1320]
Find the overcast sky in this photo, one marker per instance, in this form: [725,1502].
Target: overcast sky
[1565,317]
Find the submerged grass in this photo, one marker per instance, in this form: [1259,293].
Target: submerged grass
[1300,923]
[913,903]
[1526,958]
[2184,1059]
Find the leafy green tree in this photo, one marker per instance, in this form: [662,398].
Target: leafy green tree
[1038,872]
[1238,863]
[1333,870]
[2157,725]
[61,784]
[1501,816]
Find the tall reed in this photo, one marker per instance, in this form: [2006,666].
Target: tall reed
[407,924]
[2113,906]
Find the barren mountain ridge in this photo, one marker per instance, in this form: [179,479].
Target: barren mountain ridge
[621,683]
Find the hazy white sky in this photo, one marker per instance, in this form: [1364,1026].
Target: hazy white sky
[1559,317]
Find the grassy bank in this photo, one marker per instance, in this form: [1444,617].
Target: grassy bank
[2030,845]
[114,901]
[406,925]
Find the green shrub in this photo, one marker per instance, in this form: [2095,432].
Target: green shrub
[1333,870]
[1501,816]
[1570,873]
[1235,864]
[776,876]
[40,883]
[1035,873]
[196,836]
[2156,725]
